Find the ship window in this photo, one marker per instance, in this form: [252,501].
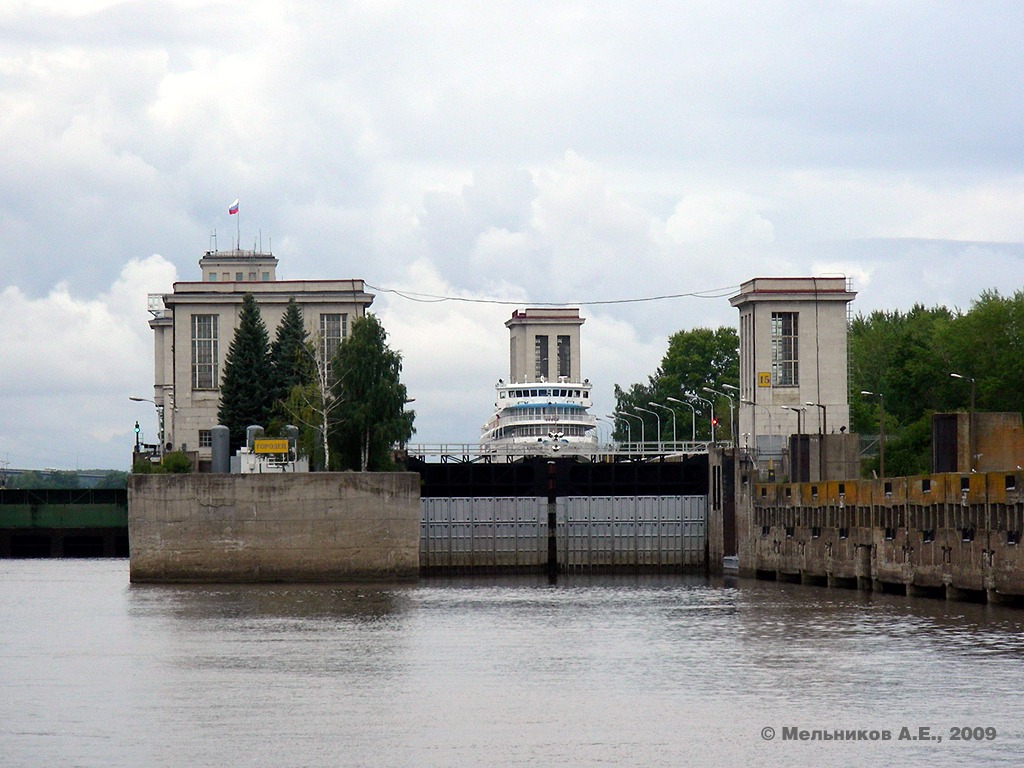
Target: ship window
[501,395]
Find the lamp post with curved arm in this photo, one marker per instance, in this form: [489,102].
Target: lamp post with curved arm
[881,430]
[766,410]
[732,419]
[711,405]
[796,475]
[657,419]
[693,422]
[670,410]
[629,432]
[970,422]
[638,418]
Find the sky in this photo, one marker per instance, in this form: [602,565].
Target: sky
[500,154]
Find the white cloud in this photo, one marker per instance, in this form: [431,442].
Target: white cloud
[72,365]
[536,151]
[719,218]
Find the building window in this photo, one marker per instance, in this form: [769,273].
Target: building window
[785,353]
[333,328]
[252,277]
[205,438]
[213,277]
[540,357]
[266,277]
[564,357]
[238,277]
[204,352]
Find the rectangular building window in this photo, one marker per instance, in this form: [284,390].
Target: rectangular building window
[204,352]
[564,357]
[333,328]
[785,352]
[540,356]
[213,277]
[205,438]
[238,277]
[266,277]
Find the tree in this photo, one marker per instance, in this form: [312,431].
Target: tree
[695,359]
[311,403]
[289,358]
[371,415]
[246,393]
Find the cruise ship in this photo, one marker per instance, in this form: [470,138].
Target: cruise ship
[543,409]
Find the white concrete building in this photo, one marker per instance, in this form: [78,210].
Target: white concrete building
[793,359]
[193,327]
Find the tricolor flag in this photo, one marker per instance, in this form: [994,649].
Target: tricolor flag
[234,207]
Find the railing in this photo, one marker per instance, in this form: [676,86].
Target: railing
[475,452]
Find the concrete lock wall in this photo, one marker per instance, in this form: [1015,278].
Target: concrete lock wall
[325,526]
[953,535]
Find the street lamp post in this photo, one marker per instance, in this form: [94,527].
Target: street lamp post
[693,422]
[629,432]
[657,419]
[823,430]
[638,418]
[766,410]
[970,423]
[160,422]
[712,406]
[797,469]
[881,430]
[732,419]
[673,412]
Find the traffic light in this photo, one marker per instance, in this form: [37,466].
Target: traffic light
[137,428]
[714,421]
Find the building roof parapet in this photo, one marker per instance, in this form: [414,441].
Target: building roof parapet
[270,291]
[794,288]
[545,315]
[239,254]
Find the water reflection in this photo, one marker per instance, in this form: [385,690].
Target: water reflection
[655,670]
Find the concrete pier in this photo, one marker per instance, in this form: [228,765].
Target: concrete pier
[328,526]
[953,536]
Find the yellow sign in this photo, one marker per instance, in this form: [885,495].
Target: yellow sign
[266,445]
[764,379]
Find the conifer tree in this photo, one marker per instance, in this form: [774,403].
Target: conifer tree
[246,394]
[289,358]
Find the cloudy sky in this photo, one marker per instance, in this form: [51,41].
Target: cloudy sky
[519,152]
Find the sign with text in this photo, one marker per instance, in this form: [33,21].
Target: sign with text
[764,379]
[267,445]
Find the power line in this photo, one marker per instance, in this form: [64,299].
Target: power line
[430,298]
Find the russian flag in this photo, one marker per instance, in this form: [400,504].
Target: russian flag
[234,207]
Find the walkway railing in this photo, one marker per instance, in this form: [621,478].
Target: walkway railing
[470,452]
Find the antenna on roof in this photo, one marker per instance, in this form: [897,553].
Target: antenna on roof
[213,241]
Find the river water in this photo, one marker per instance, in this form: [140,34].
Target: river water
[645,671]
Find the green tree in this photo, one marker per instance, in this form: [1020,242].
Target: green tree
[310,405]
[371,415]
[289,357]
[246,394]
[702,357]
